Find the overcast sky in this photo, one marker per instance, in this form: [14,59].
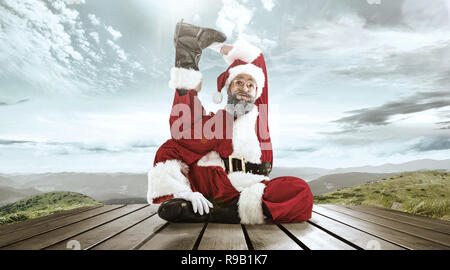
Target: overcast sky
[351,82]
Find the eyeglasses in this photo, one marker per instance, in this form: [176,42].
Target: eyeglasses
[241,83]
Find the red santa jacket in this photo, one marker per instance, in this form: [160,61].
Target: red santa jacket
[203,139]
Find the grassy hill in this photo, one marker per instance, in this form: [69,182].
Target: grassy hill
[43,205]
[333,182]
[424,193]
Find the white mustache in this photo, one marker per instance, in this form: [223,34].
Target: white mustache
[241,93]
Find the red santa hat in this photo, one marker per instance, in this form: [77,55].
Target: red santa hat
[248,59]
[242,59]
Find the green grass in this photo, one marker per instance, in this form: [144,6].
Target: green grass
[424,193]
[43,205]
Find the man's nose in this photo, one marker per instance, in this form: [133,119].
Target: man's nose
[245,88]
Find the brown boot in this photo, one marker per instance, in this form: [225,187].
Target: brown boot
[190,40]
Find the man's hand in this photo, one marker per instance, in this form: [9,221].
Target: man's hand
[199,202]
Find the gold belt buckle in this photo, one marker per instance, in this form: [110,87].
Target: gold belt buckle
[230,162]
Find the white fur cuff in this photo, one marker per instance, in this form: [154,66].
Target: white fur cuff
[242,50]
[166,179]
[250,204]
[188,79]
[242,180]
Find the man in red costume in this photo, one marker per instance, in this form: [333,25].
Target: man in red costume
[216,166]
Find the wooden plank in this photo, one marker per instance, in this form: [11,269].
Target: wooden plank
[396,237]
[361,239]
[133,236]
[419,221]
[270,237]
[433,220]
[409,215]
[314,238]
[20,235]
[176,236]
[437,237]
[26,224]
[107,230]
[52,237]
[223,237]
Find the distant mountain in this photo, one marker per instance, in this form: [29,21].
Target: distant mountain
[43,205]
[106,187]
[415,165]
[100,186]
[311,173]
[6,181]
[10,194]
[333,182]
[304,173]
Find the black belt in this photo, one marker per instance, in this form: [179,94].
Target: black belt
[238,165]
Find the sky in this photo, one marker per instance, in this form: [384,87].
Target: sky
[84,83]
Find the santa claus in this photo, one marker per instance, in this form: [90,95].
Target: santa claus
[216,167]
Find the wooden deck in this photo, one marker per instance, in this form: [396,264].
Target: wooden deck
[128,227]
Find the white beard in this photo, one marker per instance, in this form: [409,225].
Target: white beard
[245,140]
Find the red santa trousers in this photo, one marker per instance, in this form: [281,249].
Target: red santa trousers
[289,199]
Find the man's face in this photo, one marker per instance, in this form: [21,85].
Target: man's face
[241,93]
[243,88]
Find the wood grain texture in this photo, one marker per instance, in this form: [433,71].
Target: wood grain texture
[399,238]
[124,227]
[10,238]
[134,236]
[223,237]
[434,236]
[107,230]
[361,239]
[315,238]
[270,237]
[26,224]
[71,231]
[441,226]
[176,236]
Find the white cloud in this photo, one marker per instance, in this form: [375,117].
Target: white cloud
[94,20]
[118,50]
[115,34]
[48,49]
[95,36]
[233,16]
[268,4]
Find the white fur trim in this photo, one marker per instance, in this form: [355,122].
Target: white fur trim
[242,180]
[166,179]
[250,69]
[217,97]
[211,159]
[245,141]
[181,78]
[242,50]
[250,204]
